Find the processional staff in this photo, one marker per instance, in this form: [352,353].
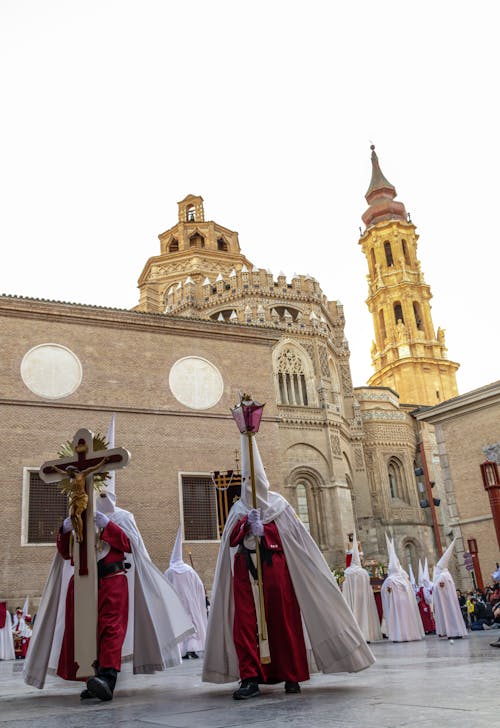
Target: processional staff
[247,415]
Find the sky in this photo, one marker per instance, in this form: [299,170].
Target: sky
[112,111]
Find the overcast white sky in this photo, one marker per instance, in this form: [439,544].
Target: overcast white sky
[114,110]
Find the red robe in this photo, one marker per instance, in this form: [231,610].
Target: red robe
[425,613]
[284,622]
[112,606]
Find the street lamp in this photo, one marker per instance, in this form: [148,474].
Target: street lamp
[247,415]
[491,483]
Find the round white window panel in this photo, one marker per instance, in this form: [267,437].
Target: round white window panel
[52,371]
[196,383]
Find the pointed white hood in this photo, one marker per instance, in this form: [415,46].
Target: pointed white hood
[420,576]
[106,501]
[176,562]
[394,565]
[271,504]
[412,577]
[442,564]
[355,564]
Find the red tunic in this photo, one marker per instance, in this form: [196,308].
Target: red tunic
[425,613]
[284,622]
[112,607]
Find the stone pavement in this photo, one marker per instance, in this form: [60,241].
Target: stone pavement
[426,684]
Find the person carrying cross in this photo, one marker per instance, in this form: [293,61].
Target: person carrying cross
[122,625]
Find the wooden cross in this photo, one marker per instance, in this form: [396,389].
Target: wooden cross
[84,557]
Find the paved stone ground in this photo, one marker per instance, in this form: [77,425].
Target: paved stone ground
[426,684]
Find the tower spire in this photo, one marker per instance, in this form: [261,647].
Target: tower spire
[380,197]
[407,354]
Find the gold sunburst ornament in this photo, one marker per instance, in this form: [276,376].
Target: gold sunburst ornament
[66,450]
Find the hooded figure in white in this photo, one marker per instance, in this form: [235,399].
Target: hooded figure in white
[333,640]
[7,651]
[447,613]
[399,604]
[157,621]
[358,594]
[190,590]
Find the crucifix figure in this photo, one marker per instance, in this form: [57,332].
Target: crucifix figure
[81,469]
[79,499]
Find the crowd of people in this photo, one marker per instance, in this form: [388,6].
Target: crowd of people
[481,608]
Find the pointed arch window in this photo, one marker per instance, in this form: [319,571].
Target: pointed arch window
[383,331]
[398,313]
[302,505]
[196,241]
[191,213]
[291,376]
[397,484]
[173,246]
[406,254]
[388,254]
[417,312]
[221,244]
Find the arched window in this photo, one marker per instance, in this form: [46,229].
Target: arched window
[383,332]
[398,313]
[302,505]
[174,246]
[196,241]
[191,213]
[388,254]
[418,316]
[395,474]
[221,244]
[405,252]
[291,378]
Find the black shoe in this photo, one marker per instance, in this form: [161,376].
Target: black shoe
[86,695]
[248,689]
[193,655]
[495,644]
[292,687]
[186,656]
[103,684]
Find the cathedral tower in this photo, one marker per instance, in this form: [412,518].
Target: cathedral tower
[407,354]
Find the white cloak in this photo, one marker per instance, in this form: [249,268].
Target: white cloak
[358,594]
[7,651]
[333,639]
[447,612]
[402,618]
[157,619]
[190,590]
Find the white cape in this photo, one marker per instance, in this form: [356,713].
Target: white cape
[447,612]
[330,630]
[190,590]
[157,619]
[7,651]
[402,618]
[358,594]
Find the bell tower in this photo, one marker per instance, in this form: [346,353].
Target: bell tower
[407,354]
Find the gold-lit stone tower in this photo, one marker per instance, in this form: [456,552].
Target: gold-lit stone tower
[407,354]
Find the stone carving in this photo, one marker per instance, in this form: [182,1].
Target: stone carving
[335,444]
[345,373]
[290,363]
[323,360]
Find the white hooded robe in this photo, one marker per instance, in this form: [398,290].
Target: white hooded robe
[401,614]
[447,612]
[190,590]
[332,636]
